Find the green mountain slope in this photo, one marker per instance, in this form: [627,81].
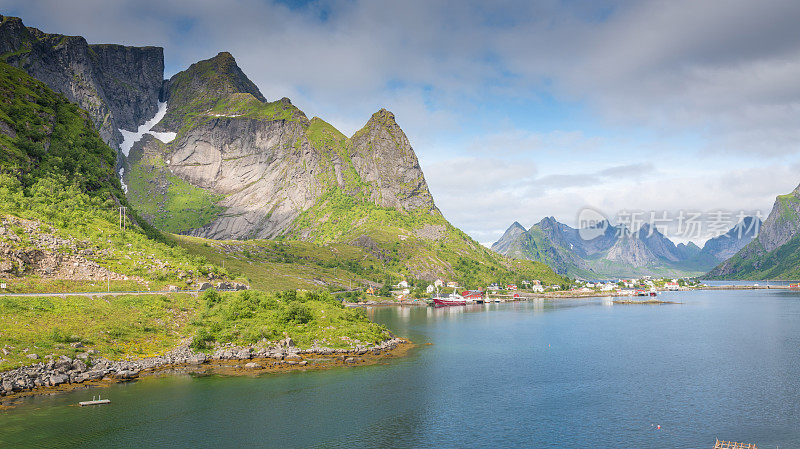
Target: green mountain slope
[775,253]
[60,231]
[60,197]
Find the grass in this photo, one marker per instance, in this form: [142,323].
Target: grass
[274,266]
[168,202]
[135,326]
[115,327]
[36,284]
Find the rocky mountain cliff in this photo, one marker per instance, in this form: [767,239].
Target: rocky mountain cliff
[118,85]
[775,252]
[214,158]
[614,251]
[266,162]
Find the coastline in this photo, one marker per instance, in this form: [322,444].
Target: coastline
[525,296]
[65,374]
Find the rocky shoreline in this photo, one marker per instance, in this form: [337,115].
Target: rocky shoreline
[63,373]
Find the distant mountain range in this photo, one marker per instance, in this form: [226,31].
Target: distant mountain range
[616,251]
[775,253]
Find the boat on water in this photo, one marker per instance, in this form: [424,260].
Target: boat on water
[449,301]
[453,299]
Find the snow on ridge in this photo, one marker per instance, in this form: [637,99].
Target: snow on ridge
[165,137]
[131,137]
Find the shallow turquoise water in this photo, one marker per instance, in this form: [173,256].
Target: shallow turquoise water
[567,373]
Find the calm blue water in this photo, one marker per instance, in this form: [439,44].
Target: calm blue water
[569,373]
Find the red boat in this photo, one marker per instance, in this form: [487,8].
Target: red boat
[449,302]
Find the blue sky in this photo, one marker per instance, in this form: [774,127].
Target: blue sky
[517,109]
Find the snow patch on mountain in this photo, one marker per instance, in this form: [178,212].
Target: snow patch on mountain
[131,137]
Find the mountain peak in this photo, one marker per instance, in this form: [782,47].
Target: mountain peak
[383,118]
[514,229]
[383,157]
[214,77]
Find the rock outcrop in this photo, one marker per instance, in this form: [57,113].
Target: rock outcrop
[383,158]
[118,85]
[65,370]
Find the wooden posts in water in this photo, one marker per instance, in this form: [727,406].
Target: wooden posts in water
[733,445]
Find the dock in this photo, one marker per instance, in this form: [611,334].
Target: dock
[94,401]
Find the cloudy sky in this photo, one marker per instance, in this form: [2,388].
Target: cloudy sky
[517,109]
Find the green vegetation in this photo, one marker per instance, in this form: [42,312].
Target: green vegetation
[217,87]
[411,244]
[252,317]
[56,171]
[166,201]
[115,327]
[787,207]
[119,327]
[753,263]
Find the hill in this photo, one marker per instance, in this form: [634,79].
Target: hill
[775,253]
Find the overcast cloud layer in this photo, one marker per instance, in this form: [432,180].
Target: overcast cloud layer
[517,109]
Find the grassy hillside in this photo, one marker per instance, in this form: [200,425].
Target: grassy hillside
[131,326]
[279,265]
[419,245]
[59,211]
[753,263]
[59,193]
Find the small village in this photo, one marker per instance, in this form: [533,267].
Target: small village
[441,292]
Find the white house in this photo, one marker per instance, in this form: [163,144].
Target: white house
[402,284]
[406,291]
[452,284]
[438,283]
[672,286]
[430,289]
[537,288]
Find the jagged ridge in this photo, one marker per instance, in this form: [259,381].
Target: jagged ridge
[118,85]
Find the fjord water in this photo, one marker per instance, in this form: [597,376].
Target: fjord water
[566,373]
